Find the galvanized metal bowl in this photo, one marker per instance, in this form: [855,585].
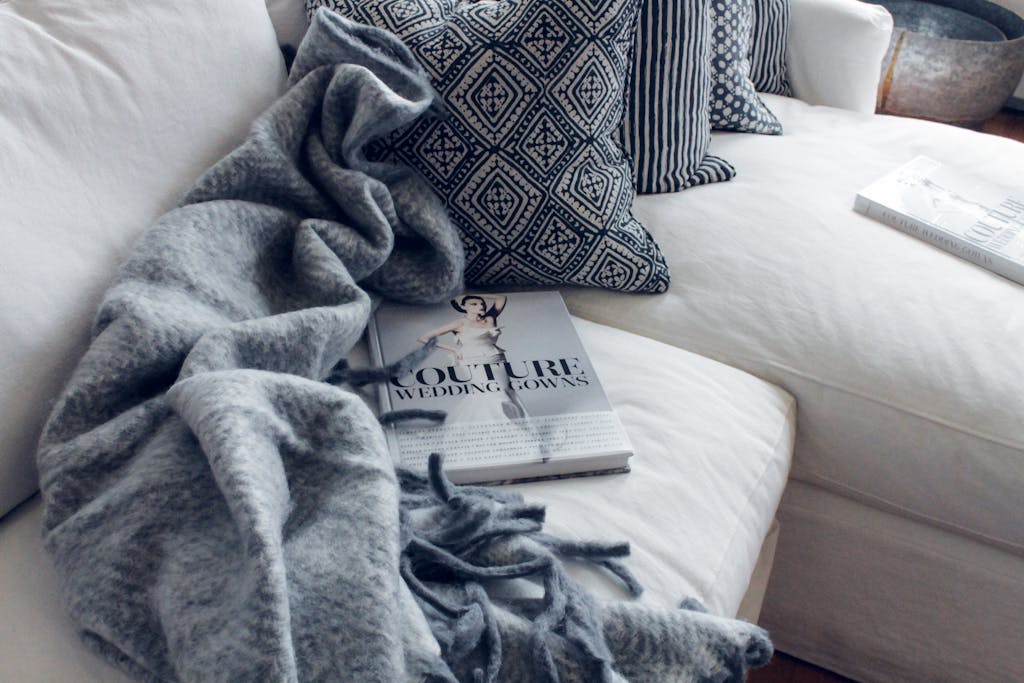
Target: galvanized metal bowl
[955,61]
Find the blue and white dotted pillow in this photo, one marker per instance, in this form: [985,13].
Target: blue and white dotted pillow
[734,102]
[528,158]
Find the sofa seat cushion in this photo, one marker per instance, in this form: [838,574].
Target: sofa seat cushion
[100,134]
[905,361]
[712,451]
[712,448]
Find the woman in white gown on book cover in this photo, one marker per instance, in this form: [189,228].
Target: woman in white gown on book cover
[476,348]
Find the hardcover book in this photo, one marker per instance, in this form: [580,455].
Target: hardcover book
[974,219]
[520,395]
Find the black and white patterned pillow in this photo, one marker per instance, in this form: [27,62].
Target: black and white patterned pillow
[734,102]
[528,159]
[768,47]
[667,126]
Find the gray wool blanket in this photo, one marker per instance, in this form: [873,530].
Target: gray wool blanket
[219,511]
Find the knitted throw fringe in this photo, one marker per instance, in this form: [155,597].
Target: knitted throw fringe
[481,534]
[478,534]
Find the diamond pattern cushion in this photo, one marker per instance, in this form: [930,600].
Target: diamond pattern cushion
[734,103]
[667,126]
[528,159]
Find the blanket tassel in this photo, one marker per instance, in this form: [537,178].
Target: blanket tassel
[463,546]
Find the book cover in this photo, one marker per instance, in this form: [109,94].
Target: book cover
[521,396]
[974,219]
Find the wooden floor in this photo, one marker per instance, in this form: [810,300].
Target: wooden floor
[1009,123]
[786,669]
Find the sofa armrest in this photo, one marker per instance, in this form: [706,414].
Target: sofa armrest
[835,50]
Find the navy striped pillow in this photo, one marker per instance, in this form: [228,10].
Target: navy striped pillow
[666,128]
[768,47]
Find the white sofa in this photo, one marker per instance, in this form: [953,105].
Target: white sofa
[100,133]
[900,555]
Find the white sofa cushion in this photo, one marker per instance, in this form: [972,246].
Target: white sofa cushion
[99,134]
[712,451]
[712,448]
[905,360]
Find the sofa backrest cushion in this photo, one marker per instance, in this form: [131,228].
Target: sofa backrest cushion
[111,109]
[528,157]
[735,105]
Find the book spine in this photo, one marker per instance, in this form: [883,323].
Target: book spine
[943,239]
